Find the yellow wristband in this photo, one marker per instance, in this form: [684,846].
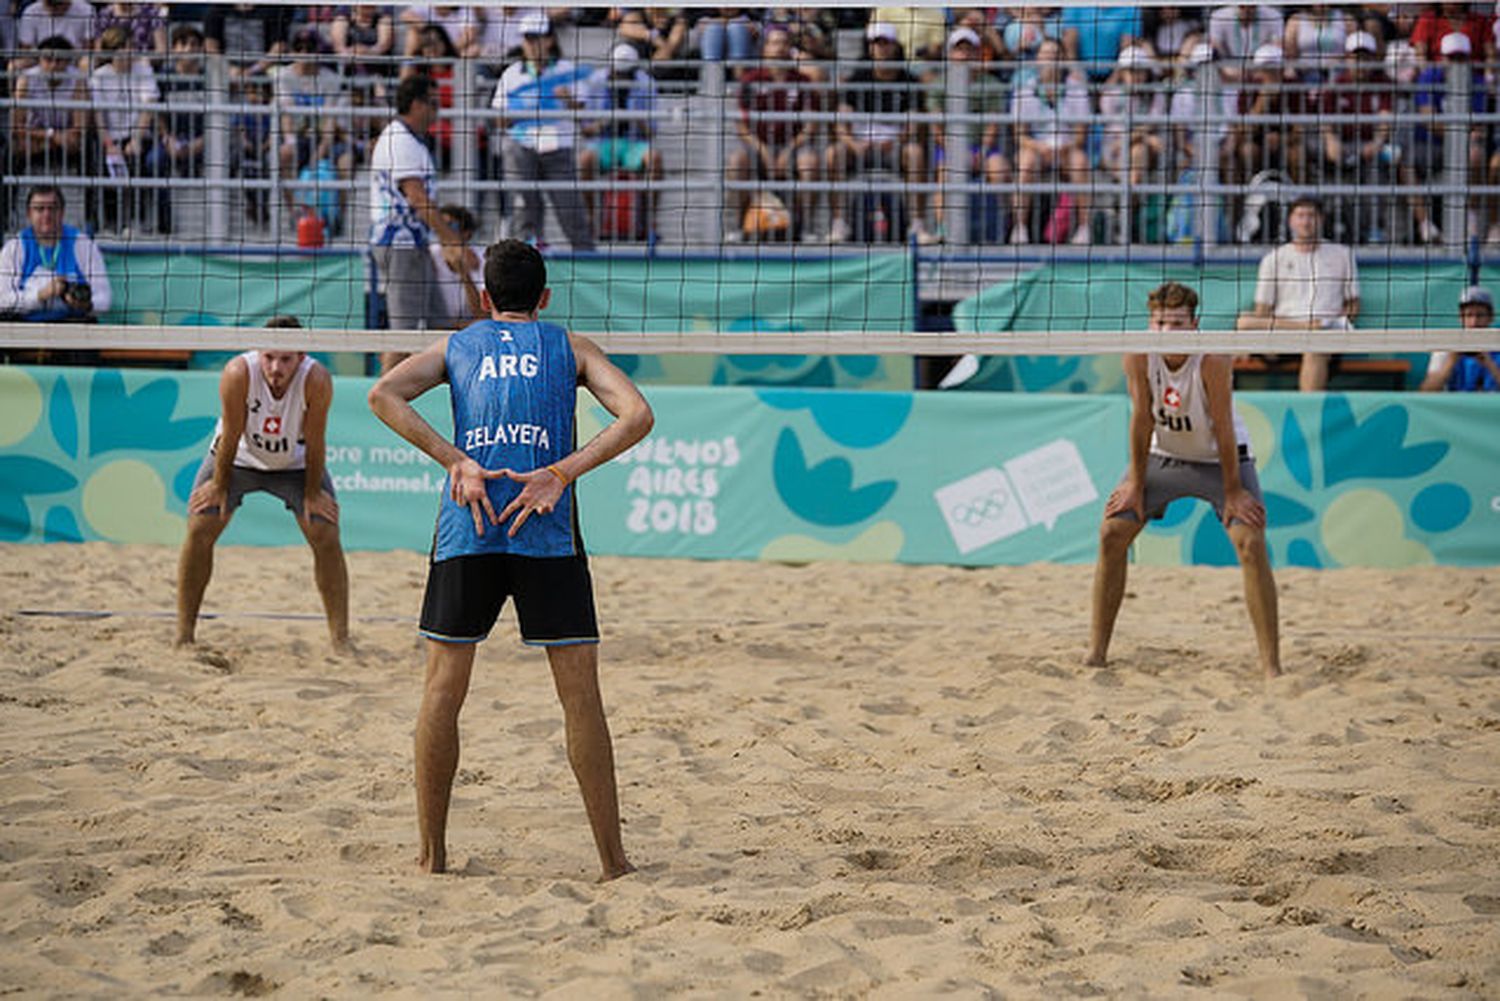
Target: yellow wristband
[559,474]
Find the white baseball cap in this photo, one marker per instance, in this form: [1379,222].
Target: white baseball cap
[960,35]
[1456,43]
[1202,53]
[536,24]
[1361,41]
[1135,58]
[624,54]
[1476,295]
[882,29]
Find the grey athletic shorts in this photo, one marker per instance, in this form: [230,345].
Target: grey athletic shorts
[408,280]
[1167,479]
[288,484]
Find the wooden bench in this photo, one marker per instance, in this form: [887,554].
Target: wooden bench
[1382,373]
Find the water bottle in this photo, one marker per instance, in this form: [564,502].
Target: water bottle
[882,224]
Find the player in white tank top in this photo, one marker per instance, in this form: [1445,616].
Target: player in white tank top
[272,438]
[274,408]
[1185,441]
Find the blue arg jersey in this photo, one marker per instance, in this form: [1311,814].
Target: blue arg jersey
[514,389]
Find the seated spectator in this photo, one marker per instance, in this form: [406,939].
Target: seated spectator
[250,146]
[621,146]
[71,20]
[1306,284]
[1051,117]
[1467,371]
[122,89]
[1440,20]
[1167,30]
[1026,32]
[776,149]
[144,23]
[1316,39]
[315,141]
[361,37]
[180,131]
[1189,124]
[462,26]
[981,141]
[1238,31]
[658,35]
[1423,154]
[1095,36]
[50,271]
[1354,149]
[251,36]
[49,139]
[1131,144]
[500,35]
[1259,145]
[920,31]
[874,130]
[536,97]
[460,269]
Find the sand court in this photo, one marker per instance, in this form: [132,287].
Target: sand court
[837,780]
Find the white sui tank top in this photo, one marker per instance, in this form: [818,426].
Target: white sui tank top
[1182,428]
[273,428]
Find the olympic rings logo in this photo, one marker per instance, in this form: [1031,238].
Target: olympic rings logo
[981,509]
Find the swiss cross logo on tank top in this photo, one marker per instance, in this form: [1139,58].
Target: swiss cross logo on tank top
[1172,398]
[272,425]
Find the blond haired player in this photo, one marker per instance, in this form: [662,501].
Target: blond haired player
[1185,441]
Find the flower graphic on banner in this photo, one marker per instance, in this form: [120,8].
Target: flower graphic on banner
[123,498]
[1368,524]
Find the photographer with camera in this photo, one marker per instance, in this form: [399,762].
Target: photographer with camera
[1467,371]
[50,272]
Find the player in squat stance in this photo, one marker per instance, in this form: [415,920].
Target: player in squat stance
[1185,441]
[271,437]
[514,384]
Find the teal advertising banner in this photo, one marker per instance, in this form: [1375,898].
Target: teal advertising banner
[589,294]
[1367,479]
[1112,297]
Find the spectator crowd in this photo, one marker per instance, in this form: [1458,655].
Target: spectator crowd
[1086,124]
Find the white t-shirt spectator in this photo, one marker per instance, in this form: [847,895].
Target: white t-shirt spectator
[325,89]
[40,22]
[1309,286]
[521,93]
[501,32]
[121,98]
[398,155]
[455,19]
[1236,41]
[1052,117]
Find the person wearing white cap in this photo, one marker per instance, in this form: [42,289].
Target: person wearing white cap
[874,131]
[1258,147]
[1307,284]
[1131,144]
[1467,371]
[1052,119]
[978,140]
[1351,147]
[621,146]
[1422,160]
[538,98]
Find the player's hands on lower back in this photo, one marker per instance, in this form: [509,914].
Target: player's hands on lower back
[323,506]
[1128,496]
[540,492]
[1241,505]
[207,496]
[466,485]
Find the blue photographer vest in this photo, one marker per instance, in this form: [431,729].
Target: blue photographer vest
[64,265]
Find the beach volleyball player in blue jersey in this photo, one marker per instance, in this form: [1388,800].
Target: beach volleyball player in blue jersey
[507,524]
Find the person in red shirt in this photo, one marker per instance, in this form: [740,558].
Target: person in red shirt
[774,147]
[1440,19]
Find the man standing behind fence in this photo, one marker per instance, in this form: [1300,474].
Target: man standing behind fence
[404,214]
